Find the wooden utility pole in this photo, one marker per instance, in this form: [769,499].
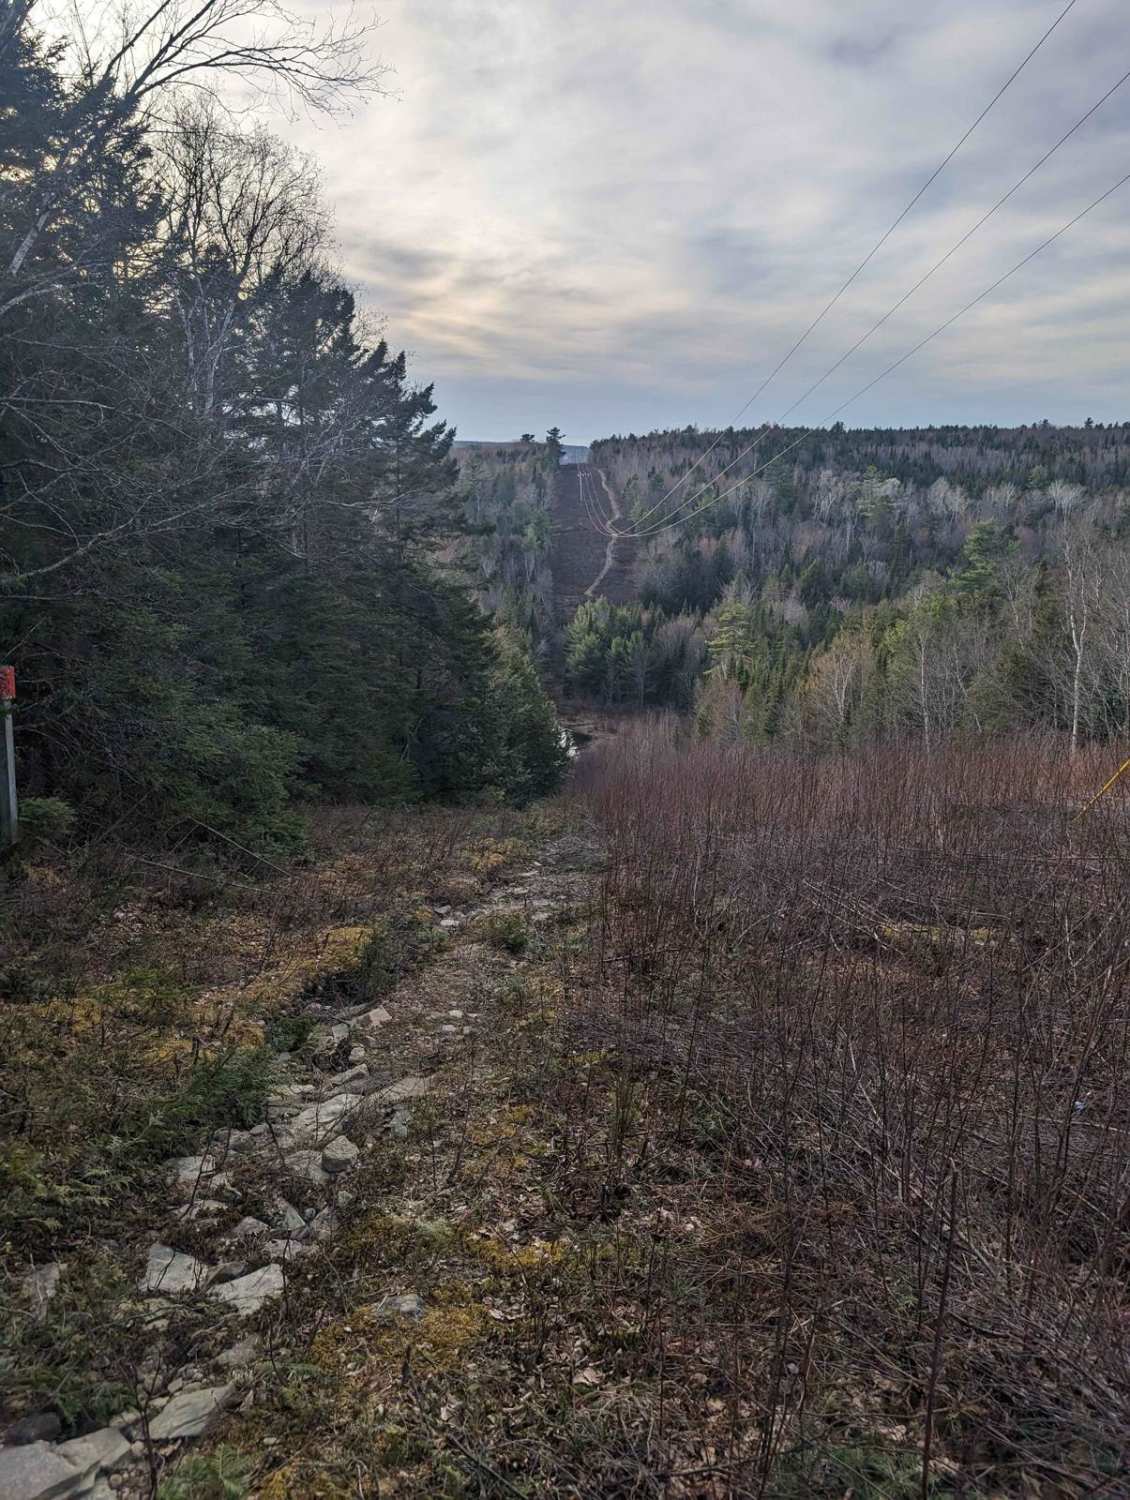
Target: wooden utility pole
[9,808]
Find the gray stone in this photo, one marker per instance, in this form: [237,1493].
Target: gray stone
[283,1251]
[281,1110]
[328,1039]
[374,1019]
[356,1055]
[307,1164]
[339,1154]
[97,1452]
[287,1217]
[322,1225]
[248,1228]
[407,1089]
[398,1125]
[246,1352]
[320,1121]
[248,1293]
[37,1471]
[39,1427]
[371,1085]
[288,1100]
[202,1208]
[342,1083]
[40,1285]
[170,1272]
[456,1015]
[407,1305]
[190,1414]
[189,1170]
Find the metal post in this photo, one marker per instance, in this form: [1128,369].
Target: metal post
[9,808]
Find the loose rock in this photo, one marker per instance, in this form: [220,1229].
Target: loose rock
[322,1225]
[406,1089]
[351,1082]
[407,1305]
[287,1217]
[170,1272]
[190,1414]
[320,1121]
[97,1452]
[374,1019]
[248,1293]
[339,1154]
[190,1170]
[246,1352]
[36,1472]
[307,1164]
[248,1228]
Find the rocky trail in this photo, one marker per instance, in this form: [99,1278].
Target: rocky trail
[248,1219]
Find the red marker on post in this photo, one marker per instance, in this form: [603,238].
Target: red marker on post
[9,808]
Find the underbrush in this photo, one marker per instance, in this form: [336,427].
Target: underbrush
[882,1004]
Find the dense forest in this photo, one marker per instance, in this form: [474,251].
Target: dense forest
[227,514]
[871,582]
[506,492]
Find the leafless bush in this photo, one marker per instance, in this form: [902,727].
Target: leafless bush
[887,995]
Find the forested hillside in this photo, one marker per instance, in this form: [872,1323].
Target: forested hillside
[225,502]
[867,582]
[507,494]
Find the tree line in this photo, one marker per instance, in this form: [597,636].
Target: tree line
[972,582]
[226,509]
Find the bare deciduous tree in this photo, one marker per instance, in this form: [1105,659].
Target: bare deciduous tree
[125,60]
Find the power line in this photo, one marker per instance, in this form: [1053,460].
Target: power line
[859,343]
[870,256]
[968,235]
[890,369]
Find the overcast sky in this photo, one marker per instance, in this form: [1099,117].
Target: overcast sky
[616,215]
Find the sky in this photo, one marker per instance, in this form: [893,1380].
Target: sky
[617,215]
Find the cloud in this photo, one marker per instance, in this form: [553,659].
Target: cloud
[619,213]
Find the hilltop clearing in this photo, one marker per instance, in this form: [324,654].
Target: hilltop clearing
[617,1148]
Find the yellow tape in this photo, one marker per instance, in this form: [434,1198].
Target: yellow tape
[1125,766]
